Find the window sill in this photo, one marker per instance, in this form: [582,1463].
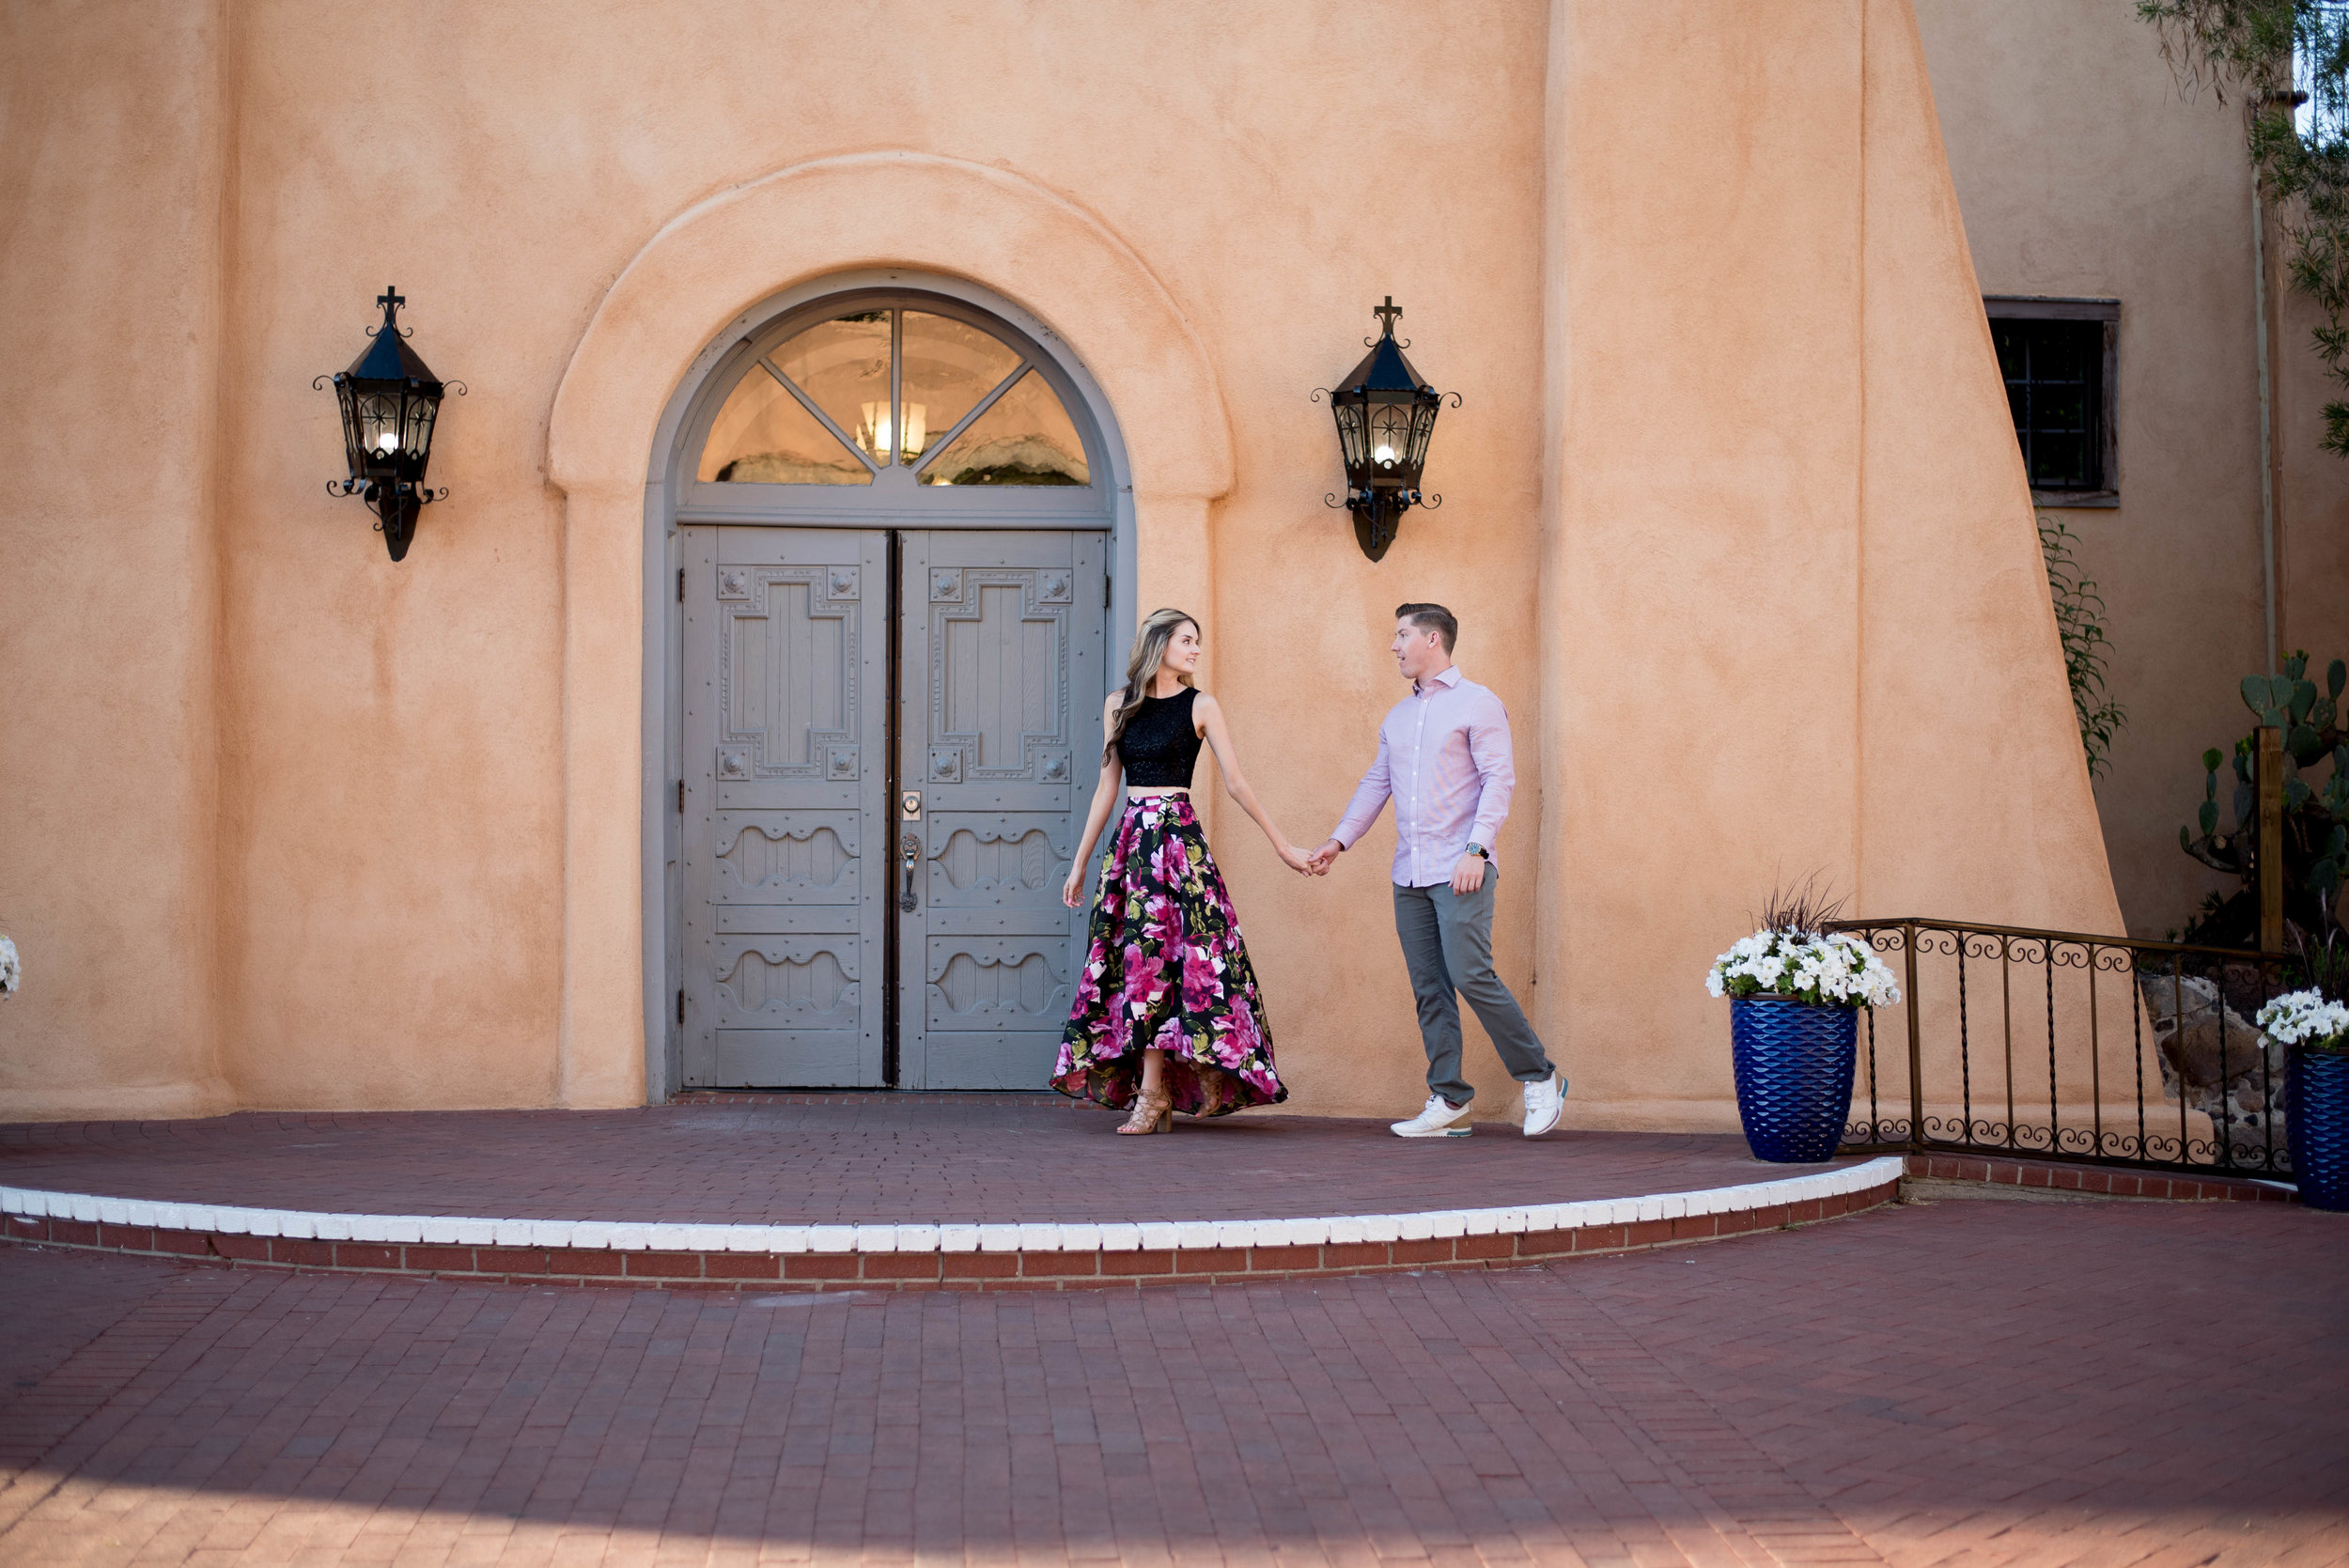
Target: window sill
[2074,498]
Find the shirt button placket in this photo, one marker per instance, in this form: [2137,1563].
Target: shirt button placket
[1419,744]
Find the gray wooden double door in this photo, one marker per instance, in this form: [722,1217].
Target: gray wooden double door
[889,744]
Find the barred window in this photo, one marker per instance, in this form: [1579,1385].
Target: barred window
[2057,359]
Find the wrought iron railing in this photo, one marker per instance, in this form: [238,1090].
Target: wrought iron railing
[2057,1046]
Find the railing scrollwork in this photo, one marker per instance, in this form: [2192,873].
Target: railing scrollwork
[2037,1044]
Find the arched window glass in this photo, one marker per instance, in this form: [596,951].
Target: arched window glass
[949,367]
[838,401]
[764,436]
[1023,438]
[842,367]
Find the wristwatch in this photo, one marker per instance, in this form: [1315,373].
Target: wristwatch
[1479,851]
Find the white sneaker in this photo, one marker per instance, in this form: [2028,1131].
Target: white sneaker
[1544,1102]
[1437,1118]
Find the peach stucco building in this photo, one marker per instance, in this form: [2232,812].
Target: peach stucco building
[600,792]
[2085,174]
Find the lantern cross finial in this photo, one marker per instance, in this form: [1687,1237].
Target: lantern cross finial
[391,299]
[1386,314]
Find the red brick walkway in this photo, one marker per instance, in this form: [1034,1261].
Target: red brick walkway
[881,1159]
[1965,1383]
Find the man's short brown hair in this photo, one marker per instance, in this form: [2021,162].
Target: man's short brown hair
[1431,617]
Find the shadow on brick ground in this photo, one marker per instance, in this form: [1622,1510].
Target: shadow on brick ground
[1958,1382]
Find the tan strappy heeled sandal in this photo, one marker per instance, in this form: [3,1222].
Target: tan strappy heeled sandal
[1150,1114]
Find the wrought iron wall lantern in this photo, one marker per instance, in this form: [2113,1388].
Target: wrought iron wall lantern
[1385,415]
[390,399]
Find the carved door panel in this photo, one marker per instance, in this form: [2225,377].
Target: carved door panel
[1000,725]
[786,854]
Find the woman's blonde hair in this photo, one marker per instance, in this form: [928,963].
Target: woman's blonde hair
[1142,670]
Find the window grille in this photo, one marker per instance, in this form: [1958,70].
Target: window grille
[2055,357]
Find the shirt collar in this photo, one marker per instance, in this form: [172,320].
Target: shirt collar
[1451,676]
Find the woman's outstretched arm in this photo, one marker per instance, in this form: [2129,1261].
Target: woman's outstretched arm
[1210,715]
[1104,798]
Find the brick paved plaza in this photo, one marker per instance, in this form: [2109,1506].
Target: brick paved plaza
[846,1159]
[2099,1382]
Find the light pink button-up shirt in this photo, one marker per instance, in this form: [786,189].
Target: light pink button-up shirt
[1444,756]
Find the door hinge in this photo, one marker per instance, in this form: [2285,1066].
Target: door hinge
[681,797]
[680,1005]
[680,584]
[1105,593]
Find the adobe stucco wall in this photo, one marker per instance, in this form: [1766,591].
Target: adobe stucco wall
[384,848]
[111,195]
[2082,171]
[1794,618]
[2311,499]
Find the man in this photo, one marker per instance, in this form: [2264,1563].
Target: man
[1443,757]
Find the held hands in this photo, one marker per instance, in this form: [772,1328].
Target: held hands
[1315,864]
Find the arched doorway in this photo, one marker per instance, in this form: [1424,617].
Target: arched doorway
[892,515]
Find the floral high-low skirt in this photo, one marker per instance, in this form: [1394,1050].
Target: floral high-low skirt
[1166,969]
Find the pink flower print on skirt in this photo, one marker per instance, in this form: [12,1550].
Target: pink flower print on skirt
[1165,967]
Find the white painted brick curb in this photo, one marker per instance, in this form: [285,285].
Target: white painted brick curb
[1087,1236]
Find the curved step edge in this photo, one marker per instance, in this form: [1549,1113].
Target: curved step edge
[934,1256]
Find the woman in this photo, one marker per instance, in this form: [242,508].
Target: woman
[1168,1015]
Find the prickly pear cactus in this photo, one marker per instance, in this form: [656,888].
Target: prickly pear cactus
[2315,847]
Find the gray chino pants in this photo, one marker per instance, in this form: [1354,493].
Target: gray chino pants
[1448,943]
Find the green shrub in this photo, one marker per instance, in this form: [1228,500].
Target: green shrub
[2079,611]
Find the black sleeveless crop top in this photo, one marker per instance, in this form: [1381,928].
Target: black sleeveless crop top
[1160,745]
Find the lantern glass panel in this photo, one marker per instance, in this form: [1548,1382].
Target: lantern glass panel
[1423,427]
[1390,439]
[347,396]
[376,423]
[1352,448]
[416,437]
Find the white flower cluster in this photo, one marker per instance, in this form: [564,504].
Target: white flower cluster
[11,971]
[2304,1018]
[1839,970]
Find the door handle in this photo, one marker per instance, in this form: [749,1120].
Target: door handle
[912,845]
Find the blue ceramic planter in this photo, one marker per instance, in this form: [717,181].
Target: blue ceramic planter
[2318,1128]
[1794,1066]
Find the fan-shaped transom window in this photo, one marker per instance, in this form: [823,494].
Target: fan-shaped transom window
[837,402]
